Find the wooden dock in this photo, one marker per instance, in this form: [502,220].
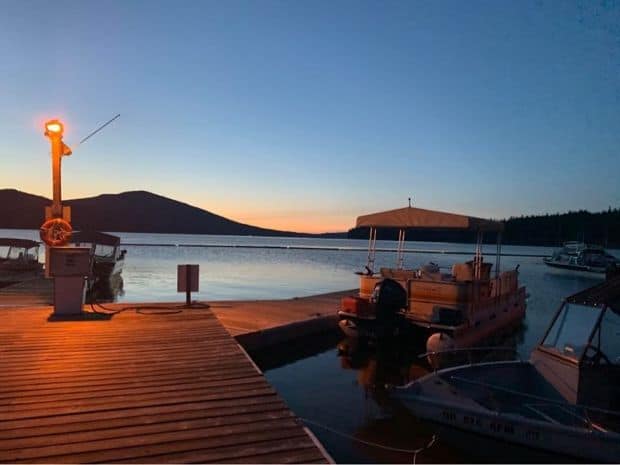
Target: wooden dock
[257,324]
[156,386]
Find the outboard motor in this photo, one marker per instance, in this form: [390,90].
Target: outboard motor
[389,298]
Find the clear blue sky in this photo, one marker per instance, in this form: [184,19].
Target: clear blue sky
[306,114]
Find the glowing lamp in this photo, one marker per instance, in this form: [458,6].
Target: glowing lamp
[54,128]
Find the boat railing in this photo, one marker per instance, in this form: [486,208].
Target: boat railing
[441,358]
[581,412]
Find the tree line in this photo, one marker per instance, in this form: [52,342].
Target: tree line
[602,228]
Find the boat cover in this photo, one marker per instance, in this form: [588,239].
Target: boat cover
[410,217]
[95,237]
[24,243]
[606,293]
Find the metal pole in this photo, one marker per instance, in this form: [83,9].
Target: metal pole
[401,249]
[478,256]
[498,253]
[57,150]
[372,240]
[188,288]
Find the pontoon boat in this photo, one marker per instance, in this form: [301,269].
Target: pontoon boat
[456,309]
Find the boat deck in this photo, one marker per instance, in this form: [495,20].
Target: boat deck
[140,386]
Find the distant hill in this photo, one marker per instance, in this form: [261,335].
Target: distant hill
[141,211]
[135,211]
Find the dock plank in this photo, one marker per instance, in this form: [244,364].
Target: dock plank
[138,387]
[255,324]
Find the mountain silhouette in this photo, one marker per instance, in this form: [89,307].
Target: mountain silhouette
[134,211]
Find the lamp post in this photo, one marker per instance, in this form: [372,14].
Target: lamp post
[56,230]
[68,266]
[54,130]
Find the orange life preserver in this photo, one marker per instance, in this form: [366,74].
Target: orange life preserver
[55,232]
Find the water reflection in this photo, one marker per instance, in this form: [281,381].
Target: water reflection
[380,365]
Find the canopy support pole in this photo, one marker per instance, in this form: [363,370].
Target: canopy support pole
[478,256]
[400,253]
[372,249]
[498,254]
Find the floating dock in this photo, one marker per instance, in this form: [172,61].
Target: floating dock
[146,385]
[257,324]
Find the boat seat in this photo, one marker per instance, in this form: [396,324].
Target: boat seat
[430,276]
[397,274]
[465,271]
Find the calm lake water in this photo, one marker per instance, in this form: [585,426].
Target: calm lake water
[340,392]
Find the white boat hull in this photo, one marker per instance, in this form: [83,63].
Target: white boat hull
[576,442]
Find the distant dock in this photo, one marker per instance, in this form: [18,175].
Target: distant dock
[327,248]
[152,385]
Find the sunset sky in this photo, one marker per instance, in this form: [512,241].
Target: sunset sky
[303,115]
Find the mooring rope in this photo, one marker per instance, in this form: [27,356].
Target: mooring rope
[415,452]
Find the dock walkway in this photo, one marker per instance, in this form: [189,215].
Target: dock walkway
[255,324]
[151,386]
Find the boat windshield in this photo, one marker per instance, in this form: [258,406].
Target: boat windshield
[607,338]
[106,251]
[99,250]
[18,253]
[570,333]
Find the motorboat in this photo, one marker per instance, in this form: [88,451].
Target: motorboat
[108,258]
[19,256]
[579,256]
[459,308]
[564,399]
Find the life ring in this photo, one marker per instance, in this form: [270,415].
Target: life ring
[55,232]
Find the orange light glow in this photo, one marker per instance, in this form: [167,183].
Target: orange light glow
[54,126]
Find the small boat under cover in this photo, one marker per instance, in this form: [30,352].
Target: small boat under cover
[108,258]
[19,256]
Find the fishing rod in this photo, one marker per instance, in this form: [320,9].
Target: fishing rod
[98,129]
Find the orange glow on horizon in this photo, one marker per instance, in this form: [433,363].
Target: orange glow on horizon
[314,224]
[282,218]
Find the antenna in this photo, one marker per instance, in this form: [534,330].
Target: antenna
[98,129]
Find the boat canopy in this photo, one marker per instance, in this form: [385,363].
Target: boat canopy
[410,217]
[605,294]
[95,237]
[21,243]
